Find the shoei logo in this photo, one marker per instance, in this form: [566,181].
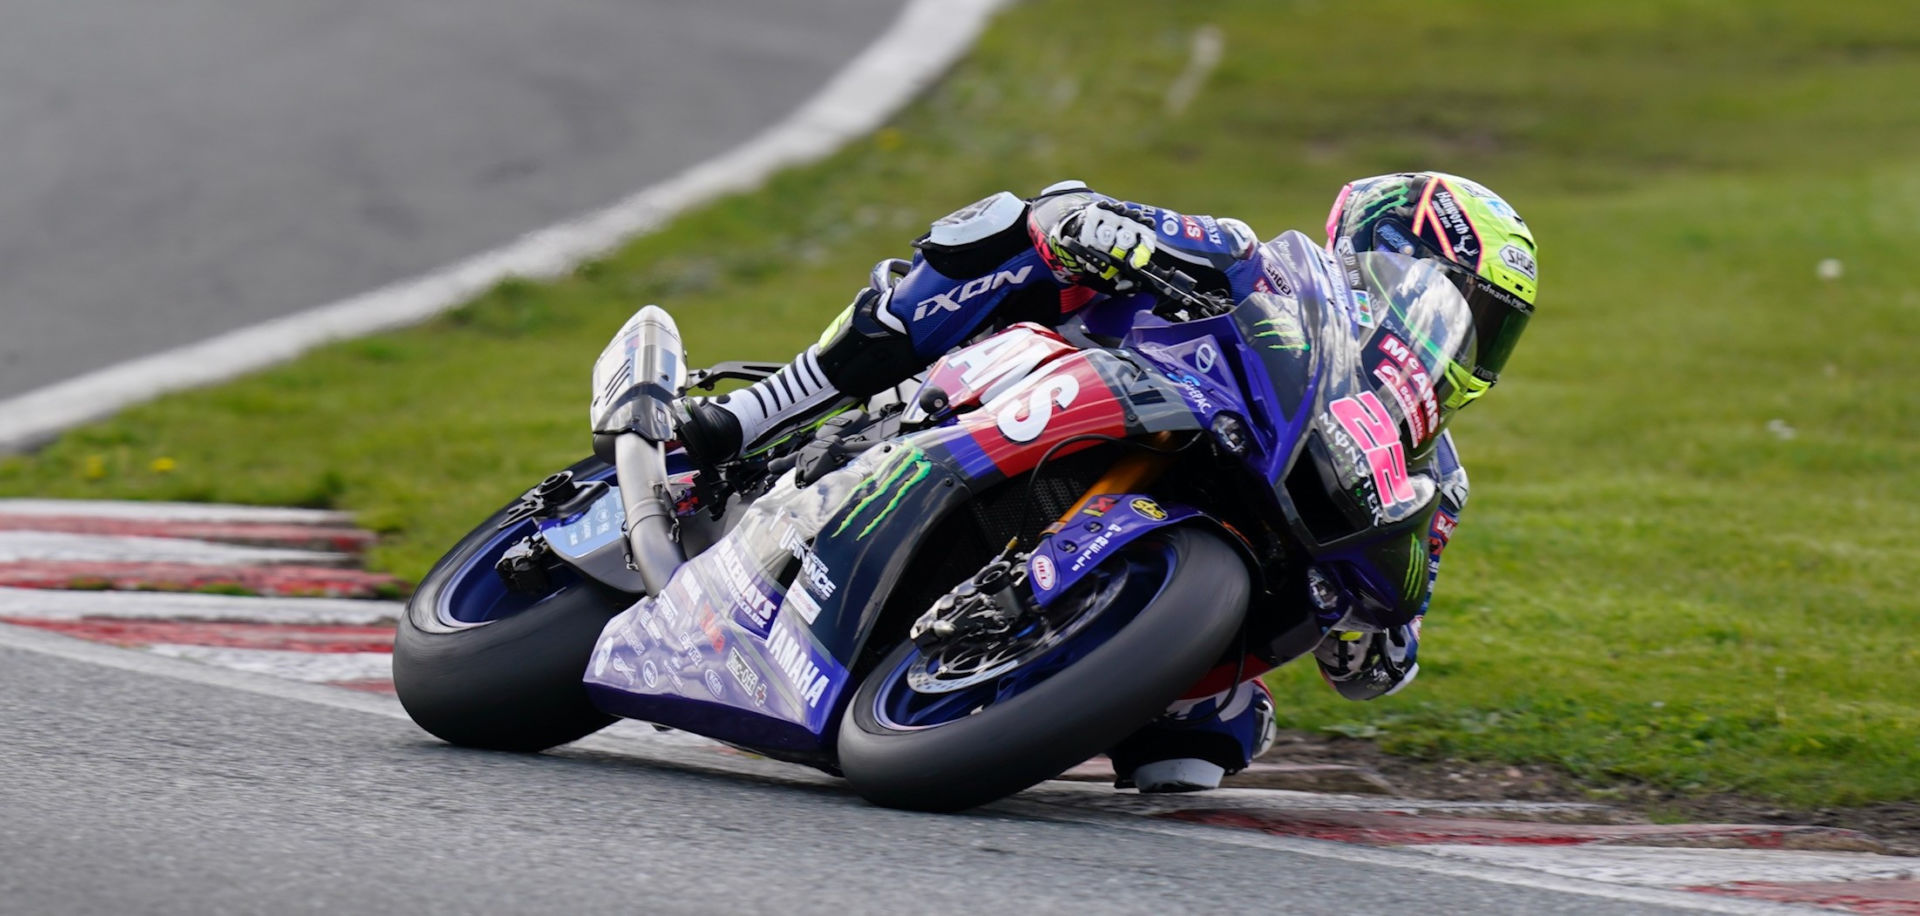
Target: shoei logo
[1518,261]
[950,300]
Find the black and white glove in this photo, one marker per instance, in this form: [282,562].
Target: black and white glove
[1118,237]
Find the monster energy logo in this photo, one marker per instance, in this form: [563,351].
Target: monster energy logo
[1289,333]
[1414,566]
[912,469]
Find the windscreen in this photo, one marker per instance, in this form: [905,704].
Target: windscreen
[1424,328]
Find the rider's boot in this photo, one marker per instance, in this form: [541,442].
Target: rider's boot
[863,352]
[1197,742]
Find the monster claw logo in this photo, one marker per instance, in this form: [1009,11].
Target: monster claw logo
[910,469]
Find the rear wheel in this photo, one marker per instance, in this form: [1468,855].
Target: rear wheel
[481,666]
[960,728]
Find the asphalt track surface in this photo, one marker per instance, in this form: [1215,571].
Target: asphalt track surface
[127,792]
[172,170]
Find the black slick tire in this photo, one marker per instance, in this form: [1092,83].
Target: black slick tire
[1074,714]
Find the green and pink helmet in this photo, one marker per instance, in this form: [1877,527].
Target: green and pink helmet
[1467,231]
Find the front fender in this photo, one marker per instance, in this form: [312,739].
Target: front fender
[1100,529]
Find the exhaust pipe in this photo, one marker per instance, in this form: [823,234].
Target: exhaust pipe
[641,467]
[635,381]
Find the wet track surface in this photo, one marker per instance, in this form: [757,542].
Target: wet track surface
[171,171]
[129,792]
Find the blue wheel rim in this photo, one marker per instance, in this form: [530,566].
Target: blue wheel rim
[1123,590]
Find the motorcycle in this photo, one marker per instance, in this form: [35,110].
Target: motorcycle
[951,596]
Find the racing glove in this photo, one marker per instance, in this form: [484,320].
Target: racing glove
[1119,236]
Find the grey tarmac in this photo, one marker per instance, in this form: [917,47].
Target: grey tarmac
[169,171]
[127,792]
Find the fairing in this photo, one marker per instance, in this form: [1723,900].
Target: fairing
[754,640]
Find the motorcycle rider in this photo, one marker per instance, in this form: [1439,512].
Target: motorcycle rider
[1004,259]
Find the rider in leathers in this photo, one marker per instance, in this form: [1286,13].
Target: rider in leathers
[1004,259]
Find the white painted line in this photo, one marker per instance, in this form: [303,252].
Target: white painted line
[58,547]
[1687,867]
[921,44]
[50,604]
[122,510]
[310,667]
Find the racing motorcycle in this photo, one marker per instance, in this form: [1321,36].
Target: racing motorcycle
[950,594]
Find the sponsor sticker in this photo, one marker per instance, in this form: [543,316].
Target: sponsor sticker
[1024,421]
[1148,509]
[951,300]
[1443,525]
[1407,380]
[1440,213]
[625,668]
[1086,554]
[1363,308]
[794,660]
[715,686]
[1518,261]
[813,573]
[650,674]
[748,679]
[748,596]
[1044,576]
[1213,229]
[803,604]
[1271,273]
[1205,356]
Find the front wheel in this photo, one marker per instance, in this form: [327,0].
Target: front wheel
[944,733]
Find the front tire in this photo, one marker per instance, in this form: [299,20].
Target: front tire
[1074,713]
[510,681]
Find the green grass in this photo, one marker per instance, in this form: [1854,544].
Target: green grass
[1652,581]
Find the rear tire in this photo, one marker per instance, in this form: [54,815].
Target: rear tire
[511,684]
[1074,714]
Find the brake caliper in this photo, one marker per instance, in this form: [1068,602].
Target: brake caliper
[988,605]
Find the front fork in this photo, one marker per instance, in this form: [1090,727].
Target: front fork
[1005,590]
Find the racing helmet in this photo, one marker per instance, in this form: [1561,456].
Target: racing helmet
[1466,231]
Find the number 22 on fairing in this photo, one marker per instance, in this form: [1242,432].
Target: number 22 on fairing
[1367,421]
[1052,391]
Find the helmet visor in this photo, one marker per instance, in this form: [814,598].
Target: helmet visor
[1499,316]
